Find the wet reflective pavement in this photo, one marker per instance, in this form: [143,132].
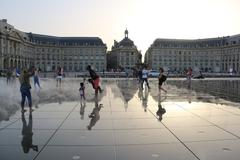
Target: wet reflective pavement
[196,121]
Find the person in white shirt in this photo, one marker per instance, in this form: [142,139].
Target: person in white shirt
[145,76]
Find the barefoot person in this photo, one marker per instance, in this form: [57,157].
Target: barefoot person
[25,88]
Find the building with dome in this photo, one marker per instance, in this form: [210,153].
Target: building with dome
[124,54]
[20,49]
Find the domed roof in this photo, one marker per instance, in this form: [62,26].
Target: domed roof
[126,42]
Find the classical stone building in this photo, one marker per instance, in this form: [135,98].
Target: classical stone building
[15,48]
[209,55]
[124,54]
[20,49]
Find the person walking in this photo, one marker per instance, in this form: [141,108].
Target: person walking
[9,75]
[25,88]
[145,76]
[140,75]
[59,76]
[189,77]
[162,78]
[36,79]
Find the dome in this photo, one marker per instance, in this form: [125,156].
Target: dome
[126,42]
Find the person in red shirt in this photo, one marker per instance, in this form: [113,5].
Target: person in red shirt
[95,79]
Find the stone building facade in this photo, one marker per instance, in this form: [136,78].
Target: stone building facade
[208,55]
[20,49]
[15,48]
[124,54]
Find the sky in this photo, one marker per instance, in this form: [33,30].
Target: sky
[146,20]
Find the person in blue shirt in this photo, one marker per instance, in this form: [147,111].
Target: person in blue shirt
[25,88]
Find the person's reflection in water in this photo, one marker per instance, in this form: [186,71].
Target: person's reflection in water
[145,99]
[60,95]
[27,135]
[189,96]
[82,109]
[37,101]
[95,116]
[160,110]
[143,96]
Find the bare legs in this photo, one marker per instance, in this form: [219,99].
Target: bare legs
[160,88]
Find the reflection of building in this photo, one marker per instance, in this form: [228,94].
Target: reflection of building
[128,89]
[210,55]
[125,90]
[20,49]
[124,54]
[225,89]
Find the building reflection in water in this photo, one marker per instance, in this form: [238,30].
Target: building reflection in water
[27,142]
[95,115]
[128,89]
[225,89]
[161,110]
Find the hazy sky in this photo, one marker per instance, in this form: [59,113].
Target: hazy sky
[145,20]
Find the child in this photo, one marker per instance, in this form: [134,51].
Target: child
[82,91]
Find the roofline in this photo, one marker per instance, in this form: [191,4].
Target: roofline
[200,39]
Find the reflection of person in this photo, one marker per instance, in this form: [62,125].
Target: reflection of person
[160,110]
[82,109]
[189,96]
[60,96]
[95,80]
[25,88]
[95,116]
[143,96]
[27,135]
